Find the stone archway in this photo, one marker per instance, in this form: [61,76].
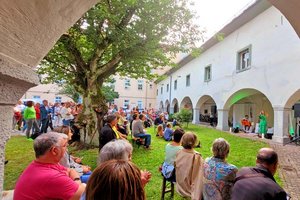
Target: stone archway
[161,106]
[207,110]
[174,106]
[243,102]
[167,106]
[292,114]
[29,29]
[187,103]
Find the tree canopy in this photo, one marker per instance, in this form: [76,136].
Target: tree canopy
[127,37]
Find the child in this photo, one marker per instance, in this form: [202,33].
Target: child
[160,130]
[168,133]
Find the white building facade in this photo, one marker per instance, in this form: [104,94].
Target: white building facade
[254,67]
[135,92]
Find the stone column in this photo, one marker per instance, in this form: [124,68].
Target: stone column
[223,120]
[281,124]
[15,80]
[196,113]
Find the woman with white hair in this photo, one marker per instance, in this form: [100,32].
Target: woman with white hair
[120,150]
[218,174]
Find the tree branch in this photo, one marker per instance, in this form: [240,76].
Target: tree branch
[74,51]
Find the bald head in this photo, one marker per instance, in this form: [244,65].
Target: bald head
[267,156]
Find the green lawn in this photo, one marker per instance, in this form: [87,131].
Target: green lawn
[20,153]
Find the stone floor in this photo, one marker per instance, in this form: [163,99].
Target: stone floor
[289,164]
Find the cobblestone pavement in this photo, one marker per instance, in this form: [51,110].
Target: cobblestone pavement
[289,164]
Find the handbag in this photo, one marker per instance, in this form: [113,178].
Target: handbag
[167,170]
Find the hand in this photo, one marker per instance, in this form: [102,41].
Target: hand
[145,177]
[77,160]
[72,173]
[85,169]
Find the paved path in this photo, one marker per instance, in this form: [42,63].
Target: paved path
[289,164]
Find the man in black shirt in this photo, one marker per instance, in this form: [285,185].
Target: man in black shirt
[107,133]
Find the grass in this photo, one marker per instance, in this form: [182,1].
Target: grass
[243,151]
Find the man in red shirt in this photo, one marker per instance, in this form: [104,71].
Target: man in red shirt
[45,178]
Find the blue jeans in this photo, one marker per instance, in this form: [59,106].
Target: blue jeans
[146,136]
[66,122]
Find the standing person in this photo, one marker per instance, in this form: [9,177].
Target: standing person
[219,175]
[20,107]
[38,114]
[258,183]
[30,117]
[107,133]
[66,114]
[138,130]
[262,124]
[57,116]
[45,112]
[189,168]
[45,178]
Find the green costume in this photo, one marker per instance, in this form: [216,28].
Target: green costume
[262,124]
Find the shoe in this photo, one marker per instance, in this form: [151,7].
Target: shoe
[147,147]
[30,139]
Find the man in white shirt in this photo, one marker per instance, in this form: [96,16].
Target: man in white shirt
[66,114]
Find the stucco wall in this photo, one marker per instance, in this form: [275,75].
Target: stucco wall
[274,70]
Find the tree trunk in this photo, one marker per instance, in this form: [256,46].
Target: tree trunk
[94,109]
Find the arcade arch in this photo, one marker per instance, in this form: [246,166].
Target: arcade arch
[174,107]
[207,108]
[248,102]
[167,106]
[161,106]
[292,109]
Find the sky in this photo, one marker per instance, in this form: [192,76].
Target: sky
[215,14]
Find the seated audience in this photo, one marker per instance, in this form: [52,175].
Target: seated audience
[168,169]
[107,133]
[160,131]
[246,124]
[45,178]
[138,130]
[115,179]
[254,183]
[160,120]
[218,176]
[189,168]
[72,162]
[168,133]
[120,150]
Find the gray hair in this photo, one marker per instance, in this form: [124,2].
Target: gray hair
[44,142]
[116,149]
[220,148]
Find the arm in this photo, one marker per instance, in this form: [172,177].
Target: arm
[79,192]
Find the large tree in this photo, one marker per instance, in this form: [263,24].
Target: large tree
[128,37]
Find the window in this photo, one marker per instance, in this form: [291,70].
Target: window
[161,90]
[57,99]
[36,97]
[140,84]
[150,85]
[207,73]
[244,59]
[126,103]
[140,104]
[175,85]
[167,87]
[127,83]
[188,80]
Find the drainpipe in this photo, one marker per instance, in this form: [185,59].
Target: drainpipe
[170,93]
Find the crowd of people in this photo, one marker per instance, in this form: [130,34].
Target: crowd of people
[55,174]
